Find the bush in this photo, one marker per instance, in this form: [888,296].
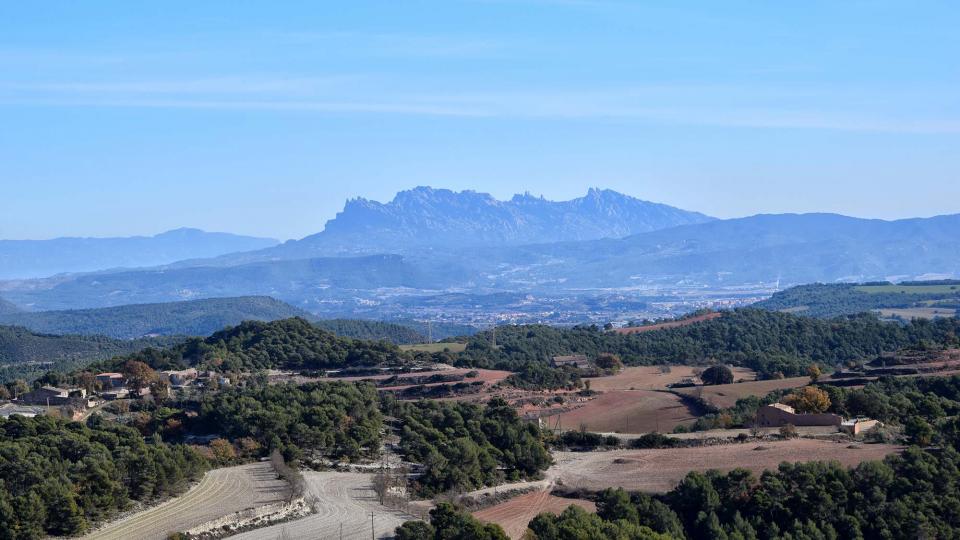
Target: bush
[717,375]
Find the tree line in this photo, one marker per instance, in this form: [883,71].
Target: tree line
[773,344]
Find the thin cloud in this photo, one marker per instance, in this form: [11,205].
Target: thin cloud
[656,104]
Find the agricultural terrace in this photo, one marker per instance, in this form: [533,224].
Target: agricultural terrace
[220,493]
[660,470]
[514,515]
[726,395]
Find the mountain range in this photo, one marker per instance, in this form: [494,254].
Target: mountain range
[24,259]
[431,243]
[425,218]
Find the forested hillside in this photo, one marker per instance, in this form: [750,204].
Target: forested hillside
[820,300]
[19,346]
[769,342]
[375,330]
[191,318]
[294,344]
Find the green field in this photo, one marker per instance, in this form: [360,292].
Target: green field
[435,347]
[908,289]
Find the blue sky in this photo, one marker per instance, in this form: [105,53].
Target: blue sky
[263,117]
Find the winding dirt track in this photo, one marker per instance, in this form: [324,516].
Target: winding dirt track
[219,493]
[345,499]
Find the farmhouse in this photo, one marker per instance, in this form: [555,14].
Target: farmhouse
[856,426]
[179,378]
[51,395]
[110,380]
[573,360]
[10,409]
[778,414]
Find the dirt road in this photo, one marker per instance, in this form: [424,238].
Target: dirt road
[345,500]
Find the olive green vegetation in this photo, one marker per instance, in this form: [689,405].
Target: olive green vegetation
[25,354]
[950,288]
[292,344]
[59,478]
[448,523]
[771,343]
[338,420]
[834,300]
[464,446]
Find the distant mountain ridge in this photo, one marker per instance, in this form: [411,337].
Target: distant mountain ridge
[24,259]
[425,217]
[790,248]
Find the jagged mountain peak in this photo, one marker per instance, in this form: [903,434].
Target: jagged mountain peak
[431,217]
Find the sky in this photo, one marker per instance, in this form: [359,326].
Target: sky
[262,118]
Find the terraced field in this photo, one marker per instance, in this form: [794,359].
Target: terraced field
[661,470]
[726,395]
[514,515]
[346,502]
[656,377]
[221,492]
[628,411]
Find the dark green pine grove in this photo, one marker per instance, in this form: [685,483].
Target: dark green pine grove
[337,419]
[465,446]
[57,477]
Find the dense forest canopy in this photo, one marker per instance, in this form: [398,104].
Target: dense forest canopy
[372,330]
[769,342]
[337,419]
[293,344]
[59,478]
[464,446]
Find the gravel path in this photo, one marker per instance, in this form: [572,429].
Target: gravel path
[345,499]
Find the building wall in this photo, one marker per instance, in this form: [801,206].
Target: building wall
[768,416]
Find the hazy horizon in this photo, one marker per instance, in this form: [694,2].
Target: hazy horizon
[125,119]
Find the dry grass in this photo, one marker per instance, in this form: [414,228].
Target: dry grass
[435,347]
[668,324]
[726,395]
[515,514]
[221,492]
[636,411]
[655,378]
[918,312]
[343,500]
[661,470]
